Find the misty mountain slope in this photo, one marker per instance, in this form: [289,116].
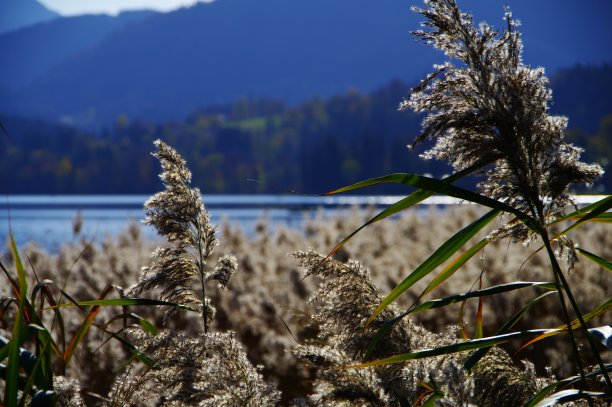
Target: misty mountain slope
[15,14]
[218,52]
[34,50]
[166,65]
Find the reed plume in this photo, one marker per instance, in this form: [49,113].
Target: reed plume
[178,214]
[490,107]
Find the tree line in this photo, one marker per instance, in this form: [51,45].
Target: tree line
[251,146]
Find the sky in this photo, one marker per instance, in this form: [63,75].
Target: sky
[75,7]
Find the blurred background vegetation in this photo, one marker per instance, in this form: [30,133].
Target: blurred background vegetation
[352,136]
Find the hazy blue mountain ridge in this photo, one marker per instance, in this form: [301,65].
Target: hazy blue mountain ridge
[34,50]
[15,14]
[166,65]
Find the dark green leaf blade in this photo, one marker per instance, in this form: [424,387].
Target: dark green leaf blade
[485,292]
[477,355]
[540,395]
[453,266]
[407,202]
[568,395]
[441,187]
[595,258]
[12,368]
[581,213]
[442,254]
[123,302]
[599,310]
[457,347]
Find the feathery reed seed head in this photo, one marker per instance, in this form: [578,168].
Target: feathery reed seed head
[491,108]
[178,214]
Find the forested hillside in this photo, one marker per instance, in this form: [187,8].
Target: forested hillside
[313,147]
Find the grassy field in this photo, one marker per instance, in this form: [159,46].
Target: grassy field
[267,303]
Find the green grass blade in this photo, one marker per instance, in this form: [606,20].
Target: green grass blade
[379,180]
[80,334]
[12,367]
[391,210]
[441,187]
[442,254]
[84,328]
[595,210]
[485,292]
[463,297]
[477,355]
[540,395]
[39,374]
[599,310]
[431,400]
[595,258]
[135,351]
[146,325]
[44,376]
[582,212]
[124,302]
[568,395]
[602,218]
[478,328]
[453,266]
[405,203]
[458,347]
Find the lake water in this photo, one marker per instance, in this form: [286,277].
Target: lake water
[48,219]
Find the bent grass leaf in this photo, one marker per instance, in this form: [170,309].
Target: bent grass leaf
[145,324]
[442,254]
[603,218]
[135,351]
[592,212]
[477,355]
[478,329]
[441,187]
[595,258]
[453,299]
[580,214]
[12,367]
[398,206]
[498,289]
[540,395]
[568,395]
[80,334]
[405,203]
[448,349]
[453,266]
[601,309]
[595,210]
[124,302]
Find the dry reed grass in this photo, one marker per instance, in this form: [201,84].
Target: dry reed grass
[267,301]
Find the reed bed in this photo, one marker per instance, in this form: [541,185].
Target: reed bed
[267,301]
[130,322]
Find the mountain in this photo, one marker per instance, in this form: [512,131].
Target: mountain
[15,14]
[34,50]
[168,64]
[583,94]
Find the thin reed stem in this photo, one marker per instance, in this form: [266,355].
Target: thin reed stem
[563,286]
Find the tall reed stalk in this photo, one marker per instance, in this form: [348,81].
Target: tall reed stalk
[488,114]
